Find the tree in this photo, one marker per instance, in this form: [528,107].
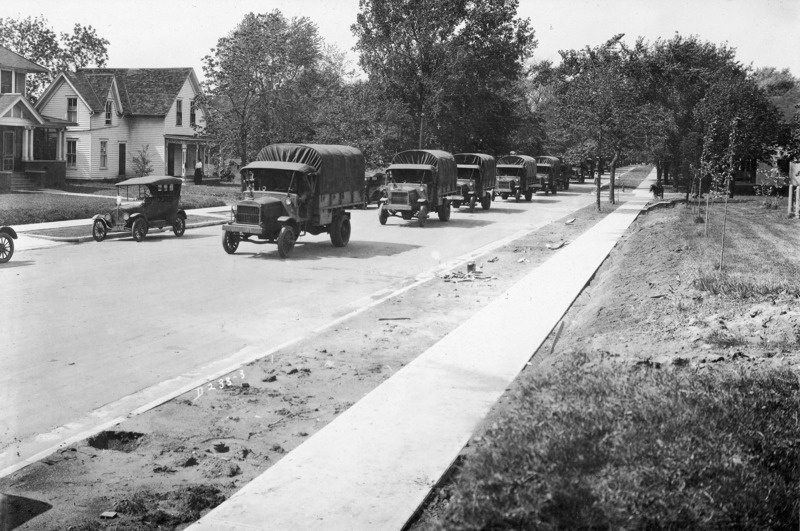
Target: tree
[142,163]
[454,64]
[33,39]
[261,80]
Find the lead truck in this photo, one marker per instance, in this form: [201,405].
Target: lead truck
[296,189]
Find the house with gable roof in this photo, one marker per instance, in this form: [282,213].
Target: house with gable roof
[31,144]
[118,111]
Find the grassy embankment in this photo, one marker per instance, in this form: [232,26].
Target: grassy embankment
[24,208]
[606,447]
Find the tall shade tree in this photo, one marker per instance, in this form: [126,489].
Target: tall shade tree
[36,41]
[260,79]
[453,63]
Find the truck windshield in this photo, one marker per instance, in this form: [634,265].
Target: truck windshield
[467,173]
[274,180]
[411,176]
[544,169]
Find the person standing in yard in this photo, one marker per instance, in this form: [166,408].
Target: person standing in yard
[198,172]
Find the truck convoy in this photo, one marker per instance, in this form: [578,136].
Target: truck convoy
[295,189]
[419,182]
[477,177]
[552,174]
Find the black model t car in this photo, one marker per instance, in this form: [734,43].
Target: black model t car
[149,202]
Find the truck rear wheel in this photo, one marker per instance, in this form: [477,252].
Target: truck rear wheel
[230,242]
[340,231]
[286,241]
[444,211]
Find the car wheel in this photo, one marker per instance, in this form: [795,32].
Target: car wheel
[382,215]
[286,241]
[6,247]
[230,241]
[422,217]
[444,212]
[139,229]
[528,195]
[99,230]
[472,202]
[179,226]
[340,232]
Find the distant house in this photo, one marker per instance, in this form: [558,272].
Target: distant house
[120,110]
[32,145]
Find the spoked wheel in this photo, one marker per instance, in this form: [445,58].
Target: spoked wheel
[444,212]
[230,241]
[472,202]
[286,241]
[99,230]
[382,215]
[139,229]
[6,247]
[179,226]
[340,232]
[422,217]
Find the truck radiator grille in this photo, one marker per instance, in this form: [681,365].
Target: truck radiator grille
[504,185]
[247,214]
[398,198]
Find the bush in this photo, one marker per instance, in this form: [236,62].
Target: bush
[646,449]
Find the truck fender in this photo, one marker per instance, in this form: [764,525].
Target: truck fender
[11,232]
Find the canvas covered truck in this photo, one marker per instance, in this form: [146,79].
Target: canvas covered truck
[551,174]
[419,182]
[477,177]
[295,189]
[516,176]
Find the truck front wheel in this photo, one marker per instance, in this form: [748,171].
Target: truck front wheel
[422,217]
[444,211]
[230,242]
[486,202]
[340,231]
[382,215]
[286,241]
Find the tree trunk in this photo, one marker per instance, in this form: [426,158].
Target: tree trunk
[612,171]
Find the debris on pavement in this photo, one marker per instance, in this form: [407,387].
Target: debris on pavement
[557,245]
[569,221]
[523,259]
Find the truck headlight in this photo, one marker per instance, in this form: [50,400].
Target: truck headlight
[126,216]
[288,202]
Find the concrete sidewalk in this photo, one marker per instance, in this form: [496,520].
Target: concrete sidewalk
[372,467]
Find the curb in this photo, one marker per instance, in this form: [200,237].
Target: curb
[116,235]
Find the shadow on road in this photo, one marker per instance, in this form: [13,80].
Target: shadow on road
[16,510]
[320,250]
[436,224]
[18,263]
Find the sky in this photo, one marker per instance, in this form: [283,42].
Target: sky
[179,33]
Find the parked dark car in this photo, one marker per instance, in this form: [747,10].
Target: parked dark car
[148,202]
[477,177]
[419,183]
[297,188]
[551,174]
[516,176]
[7,237]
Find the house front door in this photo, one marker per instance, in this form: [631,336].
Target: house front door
[8,150]
[170,160]
[122,159]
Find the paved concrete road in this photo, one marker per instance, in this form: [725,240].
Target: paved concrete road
[87,325]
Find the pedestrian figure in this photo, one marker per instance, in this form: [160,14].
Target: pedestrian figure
[198,172]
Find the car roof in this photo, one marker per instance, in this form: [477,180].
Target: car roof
[154,179]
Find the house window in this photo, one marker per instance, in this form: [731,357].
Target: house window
[6,77]
[103,154]
[108,112]
[179,112]
[20,83]
[72,154]
[191,113]
[72,109]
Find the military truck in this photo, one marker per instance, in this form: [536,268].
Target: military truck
[419,182]
[551,174]
[516,176]
[295,189]
[477,177]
